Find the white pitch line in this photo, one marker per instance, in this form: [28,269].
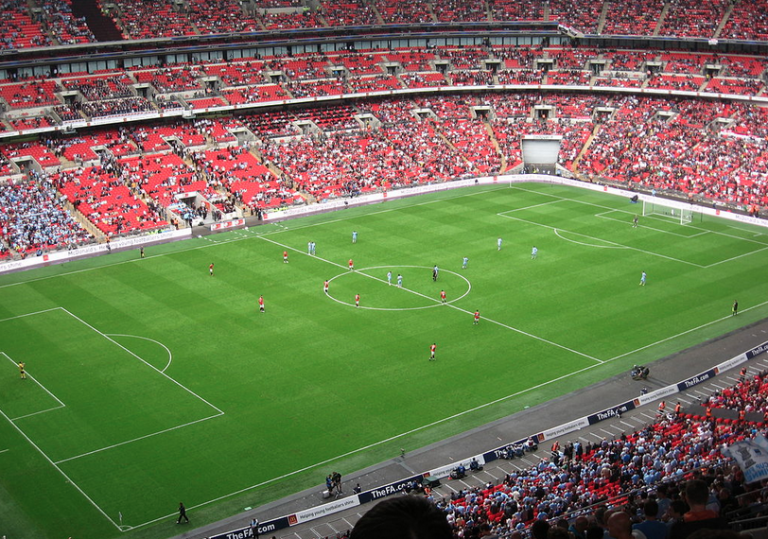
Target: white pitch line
[736,257]
[54,397]
[4,450]
[37,413]
[253,234]
[702,326]
[490,320]
[170,355]
[58,469]
[30,314]
[605,216]
[618,245]
[296,471]
[137,439]
[613,246]
[363,270]
[616,209]
[142,360]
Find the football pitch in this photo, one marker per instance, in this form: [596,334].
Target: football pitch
[151,382]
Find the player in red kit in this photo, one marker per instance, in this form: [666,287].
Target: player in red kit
[351,265]
[442,295]
[210,269]
[285,257]
[432,350]
[357,300]
[261,304]
[325,286]
[477,317]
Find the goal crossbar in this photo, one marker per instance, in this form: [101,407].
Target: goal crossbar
[678,211]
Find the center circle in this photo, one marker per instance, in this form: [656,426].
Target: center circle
[418,290]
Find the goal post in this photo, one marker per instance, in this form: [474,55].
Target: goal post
[678,211]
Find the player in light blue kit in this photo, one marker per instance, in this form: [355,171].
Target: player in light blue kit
[498,244]
[642,279]
[354,236]
[389,278]
[534,253]
[399,280]
[464,263]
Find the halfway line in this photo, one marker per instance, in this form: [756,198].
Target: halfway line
[521,332]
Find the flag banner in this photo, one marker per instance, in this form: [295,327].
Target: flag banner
[751,456]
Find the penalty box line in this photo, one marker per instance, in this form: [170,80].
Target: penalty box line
[511,328]
[565,199]
[622,246]
[618,245]
[54,397]
[55,464]
[58,469]
[218,413]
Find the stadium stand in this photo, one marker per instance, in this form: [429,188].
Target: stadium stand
[33,219]
[119,180]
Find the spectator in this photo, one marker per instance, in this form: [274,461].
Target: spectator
[650,526]
[698,517]
[579,527]
[405,517]
[620,526]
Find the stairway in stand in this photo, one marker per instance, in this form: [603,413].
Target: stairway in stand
[103,27]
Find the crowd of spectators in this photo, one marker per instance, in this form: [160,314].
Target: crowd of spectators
[32,218]
[349,13]
[248,80]
[713,150]
[315,88]
[460,10]
[63,25]
[167,79]
[287,21]
[106,201]
[101,87]
[48,22]
[399,12]
[691,18]
[747,395]
[748,20]
[525,10]
[17,27]
[126,106]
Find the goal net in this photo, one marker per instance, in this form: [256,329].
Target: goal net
[668,208]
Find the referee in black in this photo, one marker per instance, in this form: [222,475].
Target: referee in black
[182,513]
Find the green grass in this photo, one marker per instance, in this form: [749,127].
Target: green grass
[153,383]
